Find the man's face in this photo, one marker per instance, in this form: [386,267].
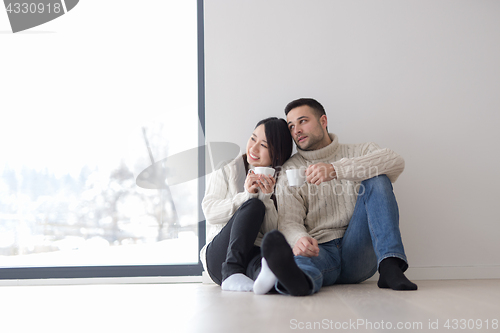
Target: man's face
[308,132]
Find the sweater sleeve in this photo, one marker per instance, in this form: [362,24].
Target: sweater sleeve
[373,161]
[271,217]
[216,206]
[292,212]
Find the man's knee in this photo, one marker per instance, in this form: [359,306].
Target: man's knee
[379,183]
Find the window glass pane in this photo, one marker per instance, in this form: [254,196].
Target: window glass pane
[81,103]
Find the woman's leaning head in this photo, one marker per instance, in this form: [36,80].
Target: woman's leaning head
[270,143]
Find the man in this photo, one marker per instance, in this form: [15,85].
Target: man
[343,223]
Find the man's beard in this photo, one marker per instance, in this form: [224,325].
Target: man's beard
[313,141]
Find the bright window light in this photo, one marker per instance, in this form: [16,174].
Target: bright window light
[81,102]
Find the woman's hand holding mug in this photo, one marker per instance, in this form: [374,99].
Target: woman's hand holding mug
[266,183]
[251,182]
[254,182]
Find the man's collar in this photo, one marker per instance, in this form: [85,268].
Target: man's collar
[322,153]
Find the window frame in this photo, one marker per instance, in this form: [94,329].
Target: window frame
[76,272]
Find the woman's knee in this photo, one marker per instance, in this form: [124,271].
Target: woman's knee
[254,204]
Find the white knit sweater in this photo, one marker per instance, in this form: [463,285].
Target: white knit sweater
[324,211]
[224,194]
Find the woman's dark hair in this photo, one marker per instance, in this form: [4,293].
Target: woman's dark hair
[279,140]
[280,144]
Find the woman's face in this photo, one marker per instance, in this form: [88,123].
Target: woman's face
[257,148]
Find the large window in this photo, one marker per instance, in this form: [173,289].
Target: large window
[92,109]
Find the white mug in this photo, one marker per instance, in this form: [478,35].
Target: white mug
[264,171]
[296,177]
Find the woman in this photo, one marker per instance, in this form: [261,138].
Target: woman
[239,207]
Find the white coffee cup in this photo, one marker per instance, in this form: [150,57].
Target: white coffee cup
[296,177]
[264,171]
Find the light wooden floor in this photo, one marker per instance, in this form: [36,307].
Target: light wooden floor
[196,307]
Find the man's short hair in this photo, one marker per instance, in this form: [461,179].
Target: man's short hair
[319,110]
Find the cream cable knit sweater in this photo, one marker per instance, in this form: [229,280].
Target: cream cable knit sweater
[224,194]
[324,211]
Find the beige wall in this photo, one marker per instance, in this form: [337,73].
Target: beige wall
[419,77]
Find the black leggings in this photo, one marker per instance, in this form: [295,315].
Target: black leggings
[232,250]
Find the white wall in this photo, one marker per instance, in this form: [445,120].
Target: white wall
[420,77]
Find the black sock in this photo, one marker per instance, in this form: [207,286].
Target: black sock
[279,257]
[392,276]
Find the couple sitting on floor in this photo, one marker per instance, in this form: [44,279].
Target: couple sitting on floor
[340,226]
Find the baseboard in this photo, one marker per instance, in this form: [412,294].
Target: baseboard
[89,281]
[450,273]
[205,278]
[413,273]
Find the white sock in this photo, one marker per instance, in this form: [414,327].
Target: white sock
[237,282]
[265,281]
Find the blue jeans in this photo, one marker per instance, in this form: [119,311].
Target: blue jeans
[371,236]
